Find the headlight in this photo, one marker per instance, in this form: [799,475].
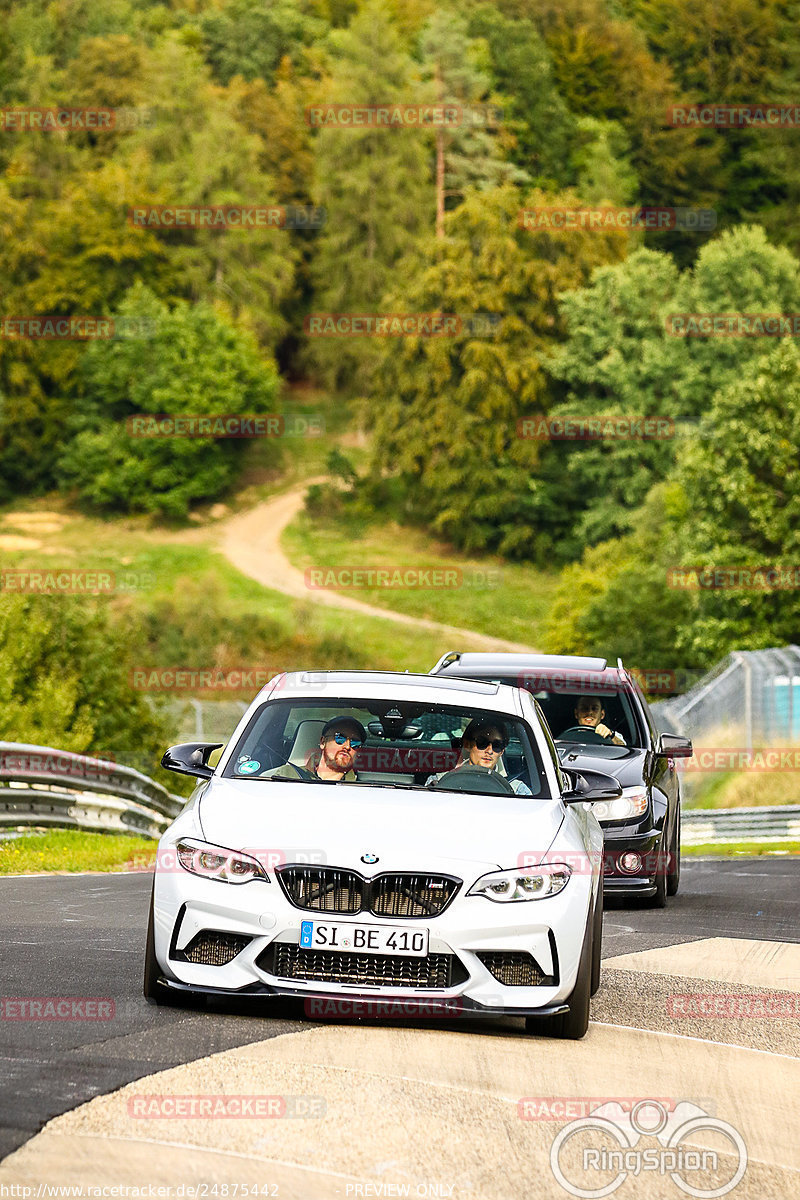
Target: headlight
[632,803]
[535,884]
[215,862]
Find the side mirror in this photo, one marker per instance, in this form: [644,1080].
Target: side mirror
[191,758]
[674,746]
[591,785]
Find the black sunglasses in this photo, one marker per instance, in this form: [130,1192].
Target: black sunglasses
[481,741]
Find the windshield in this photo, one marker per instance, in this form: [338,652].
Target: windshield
[388,744]
[596,713]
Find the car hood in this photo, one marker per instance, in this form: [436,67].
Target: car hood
[406,830]
[628,771]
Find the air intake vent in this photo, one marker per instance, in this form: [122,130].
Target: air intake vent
[210,948]
[287,960]
[515,968]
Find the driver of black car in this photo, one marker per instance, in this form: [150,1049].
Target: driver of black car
[482,745]
[589,711]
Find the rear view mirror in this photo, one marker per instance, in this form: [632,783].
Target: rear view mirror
[674,746]
[191,758]
[590,785]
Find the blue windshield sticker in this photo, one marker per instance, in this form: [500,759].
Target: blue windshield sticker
[249,767]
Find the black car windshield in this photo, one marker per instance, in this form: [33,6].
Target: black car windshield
[592,710]
[389,744]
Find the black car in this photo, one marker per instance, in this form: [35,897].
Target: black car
[600,721]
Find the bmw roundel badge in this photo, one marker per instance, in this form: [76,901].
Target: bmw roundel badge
[369,858]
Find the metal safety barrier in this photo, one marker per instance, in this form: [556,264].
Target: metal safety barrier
[773,823]
[41,786]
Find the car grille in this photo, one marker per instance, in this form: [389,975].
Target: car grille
[329,889]
[211,948]
[287,960]
[514,968]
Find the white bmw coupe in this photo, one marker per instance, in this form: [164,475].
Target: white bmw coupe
[407,842]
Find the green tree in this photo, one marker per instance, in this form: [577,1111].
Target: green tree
[250,37]
[621,357]
[733,501]
[533,108]
[447,422]
[373,183]
[468,153]
[187,361]
[65,666]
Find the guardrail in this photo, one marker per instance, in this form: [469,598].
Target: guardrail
[41,786]
[776,823]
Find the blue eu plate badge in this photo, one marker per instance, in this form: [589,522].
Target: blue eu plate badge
[306,932]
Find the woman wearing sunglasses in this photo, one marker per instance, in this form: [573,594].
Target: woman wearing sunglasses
[482,745]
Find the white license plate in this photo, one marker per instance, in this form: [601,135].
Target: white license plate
[363,939]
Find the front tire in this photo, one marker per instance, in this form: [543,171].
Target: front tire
[153,991]
[573,1024]
[674,874]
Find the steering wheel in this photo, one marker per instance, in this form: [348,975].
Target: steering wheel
[586,734]
[460,778]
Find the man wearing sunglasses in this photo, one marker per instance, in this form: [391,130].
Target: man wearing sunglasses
[482,745]
[339,742]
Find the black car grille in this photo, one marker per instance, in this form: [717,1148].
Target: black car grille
[211,948]
[287,960]
[515,968]
[330,889]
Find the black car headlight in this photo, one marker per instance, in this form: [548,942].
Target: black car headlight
[632,803]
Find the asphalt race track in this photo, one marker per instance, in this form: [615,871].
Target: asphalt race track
[82,936]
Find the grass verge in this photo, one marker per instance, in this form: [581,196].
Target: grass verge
[748,849]
[74,850]
[488,595]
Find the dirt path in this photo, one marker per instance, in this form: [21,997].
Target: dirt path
[251,541]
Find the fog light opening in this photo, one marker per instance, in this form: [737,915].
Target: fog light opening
[630,862]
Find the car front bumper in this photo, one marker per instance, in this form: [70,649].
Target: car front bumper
[260,915]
